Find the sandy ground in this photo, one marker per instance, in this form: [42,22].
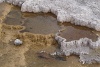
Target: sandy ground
[37,33]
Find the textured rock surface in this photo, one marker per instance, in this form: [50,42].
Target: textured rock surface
[78,12]
[88,51]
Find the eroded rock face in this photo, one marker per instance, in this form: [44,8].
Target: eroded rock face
[78,12]
[88,51]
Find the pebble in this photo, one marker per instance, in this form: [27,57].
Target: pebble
[17,42]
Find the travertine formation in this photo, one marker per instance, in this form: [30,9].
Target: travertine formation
[88,51]
[78,12]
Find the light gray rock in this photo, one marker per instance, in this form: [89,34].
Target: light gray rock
[18,42]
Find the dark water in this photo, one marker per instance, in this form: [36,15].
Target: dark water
[73,32]
[35,23]
[14,17]
[41,23]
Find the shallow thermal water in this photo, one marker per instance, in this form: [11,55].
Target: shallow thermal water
[44,24]
[34,23]
[72,32]
[41,23]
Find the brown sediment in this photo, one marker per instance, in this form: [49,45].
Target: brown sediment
[8,33]
[12,27]
[13,56]
[33,60]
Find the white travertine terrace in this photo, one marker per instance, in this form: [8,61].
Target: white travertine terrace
[78,12]
[88,51]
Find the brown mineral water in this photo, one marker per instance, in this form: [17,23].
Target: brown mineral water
[72,32]
[39,23]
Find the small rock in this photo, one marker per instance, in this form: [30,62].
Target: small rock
[18,42]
